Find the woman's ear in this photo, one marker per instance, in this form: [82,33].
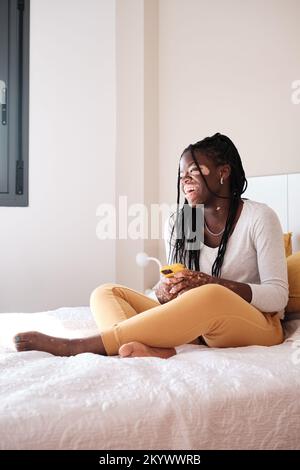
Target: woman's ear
[225,171]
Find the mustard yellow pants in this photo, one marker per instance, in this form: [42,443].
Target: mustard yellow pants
[211,311]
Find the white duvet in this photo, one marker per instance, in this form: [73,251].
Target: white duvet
[202,398]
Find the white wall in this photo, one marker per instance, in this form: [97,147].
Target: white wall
[50,256]
[285,200]
[227,66]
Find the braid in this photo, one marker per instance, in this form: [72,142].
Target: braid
[222,150]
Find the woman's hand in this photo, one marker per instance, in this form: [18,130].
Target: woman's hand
[168,288]
[186,280]
[162,291]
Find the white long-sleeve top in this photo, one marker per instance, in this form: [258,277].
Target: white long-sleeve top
[254,255]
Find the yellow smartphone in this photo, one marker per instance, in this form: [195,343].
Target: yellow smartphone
[170,269]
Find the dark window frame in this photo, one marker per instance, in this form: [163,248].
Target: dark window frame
[17,107]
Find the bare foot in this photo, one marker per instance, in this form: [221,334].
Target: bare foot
[136,349]
[36,341]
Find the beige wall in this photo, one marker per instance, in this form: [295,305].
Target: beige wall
[130,128]
[118,89]
[50,256]
[228,66]
[137,128]
[222,65]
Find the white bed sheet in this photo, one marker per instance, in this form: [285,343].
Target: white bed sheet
[202,398]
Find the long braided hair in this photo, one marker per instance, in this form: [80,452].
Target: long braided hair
[223,151]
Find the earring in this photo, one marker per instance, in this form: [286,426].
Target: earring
[221,180]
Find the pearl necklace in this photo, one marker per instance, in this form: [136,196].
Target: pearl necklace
[212,233]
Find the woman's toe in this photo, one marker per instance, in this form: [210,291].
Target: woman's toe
[126,350]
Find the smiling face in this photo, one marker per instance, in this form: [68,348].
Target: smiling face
[192,183]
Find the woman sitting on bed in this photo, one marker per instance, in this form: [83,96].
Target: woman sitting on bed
[234,292]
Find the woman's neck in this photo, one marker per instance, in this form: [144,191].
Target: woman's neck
[217,209]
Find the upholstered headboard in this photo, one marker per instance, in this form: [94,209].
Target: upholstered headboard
[282,193]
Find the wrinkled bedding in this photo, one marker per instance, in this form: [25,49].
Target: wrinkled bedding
[202,398]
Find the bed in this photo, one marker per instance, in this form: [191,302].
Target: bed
[202,398]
